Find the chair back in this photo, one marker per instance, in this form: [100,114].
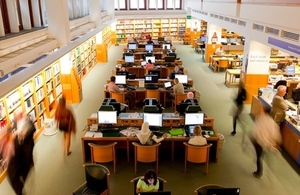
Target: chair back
[197,154]
[223,63]
[145,154]
[97,177]
[236,63]
[119,97]
[179,97]
[135,181]
[103,153]
[153,94]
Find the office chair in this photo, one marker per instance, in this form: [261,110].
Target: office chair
[136,179]
[150,101]
[193,109]
[151,109]
[106,108]
[97,180]
[280,82]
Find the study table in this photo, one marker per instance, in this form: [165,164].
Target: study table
[231,76]
[161,94]
[171,143]
[137,62]
[143,49]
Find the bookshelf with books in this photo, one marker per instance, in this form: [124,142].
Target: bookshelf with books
[156,27]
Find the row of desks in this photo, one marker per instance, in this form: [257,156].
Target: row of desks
[137,62]
[171,143]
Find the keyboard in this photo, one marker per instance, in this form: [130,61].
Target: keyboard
[109,129]
[151,86]
[130,88]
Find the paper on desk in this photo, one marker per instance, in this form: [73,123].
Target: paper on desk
[141,83]
[89,134]
[94,115]
[98,134]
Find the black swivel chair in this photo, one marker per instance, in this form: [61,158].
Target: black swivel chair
[152,109]
[97,180]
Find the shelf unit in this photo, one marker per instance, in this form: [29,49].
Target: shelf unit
[171,27]
[106,36]
[203,27]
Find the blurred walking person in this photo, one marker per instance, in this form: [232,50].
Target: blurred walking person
[65,123]
[238,105]
[265,135]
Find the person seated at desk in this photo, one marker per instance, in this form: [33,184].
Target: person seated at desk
[150,41]
[296,93]
[149,65]
[177,88]
[189,100]
[146,137]
[175,71]
[135,41]
[219,51]
[112,87]
[198,140]
[165,51]
[148,183]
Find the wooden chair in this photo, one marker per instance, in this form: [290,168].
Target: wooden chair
[178,98]
[196,154]
[119,97]
[223,63]
[153,94]
[236,64]
[145,154]
[103,153]
[135,181]
[97,180]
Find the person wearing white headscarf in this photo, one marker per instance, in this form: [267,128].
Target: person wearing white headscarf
[147,137]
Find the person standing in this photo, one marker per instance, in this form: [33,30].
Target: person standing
[238,105]
[279,105]
[65,123]
[265,135]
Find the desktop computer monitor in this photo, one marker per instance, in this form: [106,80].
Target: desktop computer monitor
[149,78]
[132,46]
[203,39]
[172,53]
[120,79]
[172,76]
[170,59]
[182,78]
[126,73]
[152,58]
[107,117]
[166,45]
[154,119]
[129,59]
[149,47]
[290,70]
[154,72]
[232,40]
[161,39]
[194,118]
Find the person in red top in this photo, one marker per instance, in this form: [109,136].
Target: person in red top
[149,65]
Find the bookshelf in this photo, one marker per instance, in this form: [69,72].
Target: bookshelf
[172,27]
[106,37]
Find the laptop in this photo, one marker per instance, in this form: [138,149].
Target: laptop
[190,131]
[168,85]
[143,63]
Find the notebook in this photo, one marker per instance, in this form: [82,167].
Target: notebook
[168,85]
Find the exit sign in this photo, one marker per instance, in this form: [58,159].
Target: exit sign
[188,17]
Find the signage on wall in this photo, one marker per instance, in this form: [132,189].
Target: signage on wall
[188,17]
[284,45]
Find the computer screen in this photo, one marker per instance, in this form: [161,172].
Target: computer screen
[224,40]
[131,45]
[117,107]
[143,63]
[169,58]
[161,39]
[168,46]
[126,73]
[149,47]
[168,84]
[232,40]
[172,54]
[290,70]
[155,72]
[154,119]
[152,58]
[107,117]
[223,191]
[182,78]
[120,79]
[194,118]
[156,193]
[149,78]
[203,38]
[172,76]
[129,59]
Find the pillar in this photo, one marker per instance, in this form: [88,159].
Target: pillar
[58,20]
[109,7]
[95,11]
[25,14]
[2,31]
[214,34]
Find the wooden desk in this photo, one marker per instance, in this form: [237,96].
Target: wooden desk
[290,132]
[231,75]
[171,143]
[154,49]
[137,62]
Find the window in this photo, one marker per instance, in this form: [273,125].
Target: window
[4,12]
[174,4]
[137,4]
[120,4]
[155,4]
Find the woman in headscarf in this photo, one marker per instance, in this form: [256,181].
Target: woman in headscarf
[147,137]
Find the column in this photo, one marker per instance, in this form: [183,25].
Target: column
[25,14]
[95,11]
[195,31]
[109,6]
[36,13]
[2,31]
[58,20]
[214,34]
[255,70]
[13,18]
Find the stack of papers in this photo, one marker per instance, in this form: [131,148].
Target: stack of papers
[89,134]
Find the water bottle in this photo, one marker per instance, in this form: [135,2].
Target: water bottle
[298,111]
